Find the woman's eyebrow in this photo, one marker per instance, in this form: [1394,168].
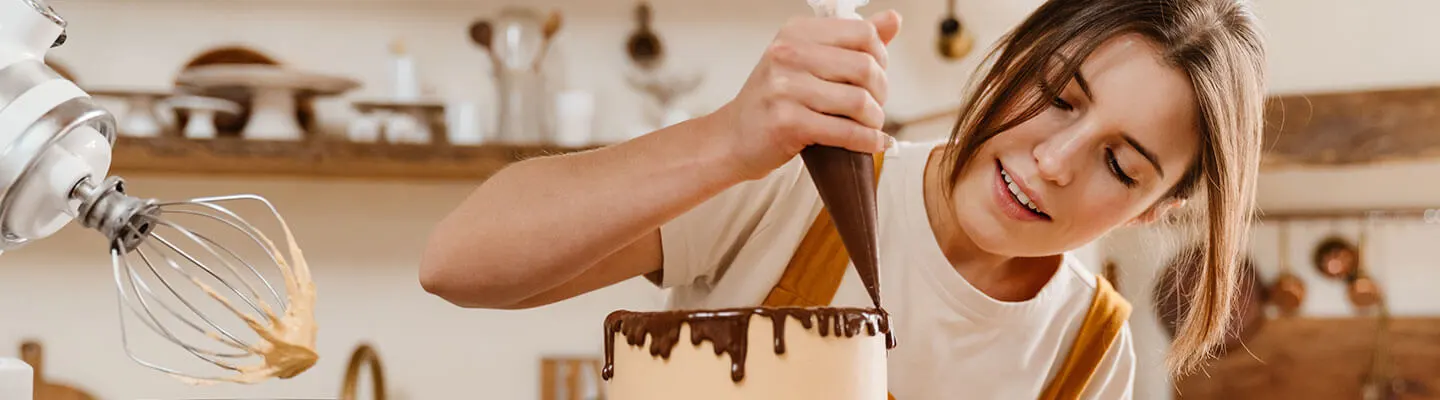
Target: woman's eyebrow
[1149,156]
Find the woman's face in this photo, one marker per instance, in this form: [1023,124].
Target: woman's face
[1102,154]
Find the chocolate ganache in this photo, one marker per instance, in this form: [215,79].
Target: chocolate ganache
[728,329]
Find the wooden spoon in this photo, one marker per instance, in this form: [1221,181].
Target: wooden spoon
[483,34]
[644,45]
[32,353]
[552,27]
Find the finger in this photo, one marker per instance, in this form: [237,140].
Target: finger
[845,66]
[844,33]
[829,130]
[887,25]
[837,99]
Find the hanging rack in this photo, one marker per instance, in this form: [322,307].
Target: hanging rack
[1429,215]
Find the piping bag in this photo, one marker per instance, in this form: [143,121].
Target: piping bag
[846,182]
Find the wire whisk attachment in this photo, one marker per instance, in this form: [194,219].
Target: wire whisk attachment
[199,276]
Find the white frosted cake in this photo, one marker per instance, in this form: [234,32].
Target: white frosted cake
[822,353]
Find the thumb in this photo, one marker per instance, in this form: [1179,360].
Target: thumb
[887,23]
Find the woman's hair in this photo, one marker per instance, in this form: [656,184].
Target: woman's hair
[1219,45]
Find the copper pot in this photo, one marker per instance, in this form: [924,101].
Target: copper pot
[1337,258]
[1363,292]
[1173,293]
[1287,293]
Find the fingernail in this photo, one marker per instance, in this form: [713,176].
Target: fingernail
[884,141]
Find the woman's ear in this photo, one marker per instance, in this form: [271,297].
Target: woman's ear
[1157,212]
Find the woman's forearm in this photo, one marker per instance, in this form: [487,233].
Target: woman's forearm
[541,222]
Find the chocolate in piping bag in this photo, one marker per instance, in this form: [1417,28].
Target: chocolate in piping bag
[846,182]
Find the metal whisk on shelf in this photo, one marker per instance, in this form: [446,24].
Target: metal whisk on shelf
[182,269]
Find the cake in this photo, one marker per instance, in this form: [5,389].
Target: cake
[759,353]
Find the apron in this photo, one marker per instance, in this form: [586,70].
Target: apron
[815,271]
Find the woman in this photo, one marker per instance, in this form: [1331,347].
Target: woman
[1095,114]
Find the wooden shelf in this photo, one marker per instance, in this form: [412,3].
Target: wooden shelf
[1352,128]
[316,159]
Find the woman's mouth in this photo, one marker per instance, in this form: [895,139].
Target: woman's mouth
[1014,200]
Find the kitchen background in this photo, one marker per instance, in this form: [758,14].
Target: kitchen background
[59,292]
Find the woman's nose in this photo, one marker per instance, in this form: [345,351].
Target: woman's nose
[1056,158]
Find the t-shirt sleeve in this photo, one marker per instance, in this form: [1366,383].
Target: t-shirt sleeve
[1115,378]
[696,243]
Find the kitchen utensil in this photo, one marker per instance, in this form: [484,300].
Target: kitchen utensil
[57,153]
[202,111]
[1336,258]
[483,34]
[33,353]
[238,55]
[845,180]
[552,27]
[1288,291]
[644,46]
[140,118]
[1362,290]
[363,356]
[274,91]
[954,42]
[1173,293]
[666,87]
[516,48]
[171,257]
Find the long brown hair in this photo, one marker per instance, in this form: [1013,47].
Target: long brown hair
[1219,45]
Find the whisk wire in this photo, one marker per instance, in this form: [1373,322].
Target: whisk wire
[248,230]
[232,340]
[223,282]
[117,258]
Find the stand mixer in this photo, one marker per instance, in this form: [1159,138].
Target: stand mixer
[55,148]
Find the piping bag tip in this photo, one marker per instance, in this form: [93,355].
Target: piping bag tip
[845,180]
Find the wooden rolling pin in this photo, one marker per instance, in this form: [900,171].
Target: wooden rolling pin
[32,353]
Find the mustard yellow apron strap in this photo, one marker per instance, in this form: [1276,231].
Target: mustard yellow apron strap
[1103,323]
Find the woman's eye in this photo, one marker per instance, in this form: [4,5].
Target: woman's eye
[1115,169]
[1061,104]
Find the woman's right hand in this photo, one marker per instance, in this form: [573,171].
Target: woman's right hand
[821,81]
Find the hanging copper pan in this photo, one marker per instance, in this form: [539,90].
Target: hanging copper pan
[1337,258]
[1287,292]
[1174,289]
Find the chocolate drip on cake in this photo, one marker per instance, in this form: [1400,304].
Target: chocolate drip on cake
[728,330]
[846,182]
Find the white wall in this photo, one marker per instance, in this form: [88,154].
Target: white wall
[433,350]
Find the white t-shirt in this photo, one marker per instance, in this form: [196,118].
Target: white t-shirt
[952,339]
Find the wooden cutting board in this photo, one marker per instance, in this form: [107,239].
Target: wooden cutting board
[32,353]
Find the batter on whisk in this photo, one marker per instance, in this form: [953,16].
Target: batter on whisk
[288,346]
